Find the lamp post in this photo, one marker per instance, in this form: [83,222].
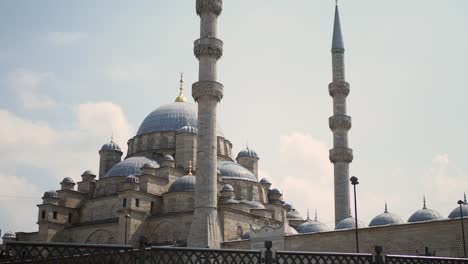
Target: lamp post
[127,216]
[354,182]
[460,202]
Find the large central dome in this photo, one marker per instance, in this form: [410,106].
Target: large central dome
[171,117]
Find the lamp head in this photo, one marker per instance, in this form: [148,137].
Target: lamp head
[354,180]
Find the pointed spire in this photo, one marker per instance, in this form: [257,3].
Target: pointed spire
[464,197]
[386,208]
[424,202]
[315,215]
[337,35]
[181,97]
[308,217]
[190,168]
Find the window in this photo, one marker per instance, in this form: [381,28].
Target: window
[43,214]
[124,202]
[152,205]
[55,214]
[69,217]
[137,202]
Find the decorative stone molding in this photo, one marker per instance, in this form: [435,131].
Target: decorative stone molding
[208,46]
[209,6]
[341,155]
[339,121]
[207,88]
[338,88]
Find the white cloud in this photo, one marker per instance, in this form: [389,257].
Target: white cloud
[64,38]
[29,87]
[132,72]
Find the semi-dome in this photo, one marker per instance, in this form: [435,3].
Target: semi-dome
[149,166]
[130,166]
[132,179]
[386,218]
[183,184]
[253,204]
[68,180]
[50,194]
[424,214]
[293,214]
[312,226]
[111,146]
[171,117]
[456,211]
[349,223]
[232,170]
[247,152]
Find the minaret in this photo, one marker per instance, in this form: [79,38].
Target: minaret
[340,123]
[205,231]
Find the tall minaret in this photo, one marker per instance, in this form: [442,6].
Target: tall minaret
[205,231]
[340,123]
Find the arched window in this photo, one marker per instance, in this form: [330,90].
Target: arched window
[70,218]
[43,214]
[55,215]
[124,202]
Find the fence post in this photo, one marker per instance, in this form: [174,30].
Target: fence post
[378,258]
[141,259]
[268,252]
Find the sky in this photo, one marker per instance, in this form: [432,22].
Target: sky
[74,73]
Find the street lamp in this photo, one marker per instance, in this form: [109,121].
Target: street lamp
[127,216]
[460,202]
[354,182]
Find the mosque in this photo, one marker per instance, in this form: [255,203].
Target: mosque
[179,183]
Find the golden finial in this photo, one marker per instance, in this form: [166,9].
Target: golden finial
[190,168]
[181,97]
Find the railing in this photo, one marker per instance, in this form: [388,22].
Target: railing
[28,252]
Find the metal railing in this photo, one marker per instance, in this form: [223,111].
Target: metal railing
[67,253]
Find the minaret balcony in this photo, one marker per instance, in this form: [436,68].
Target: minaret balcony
[338,88]
[207,88]
[339,122]
[208,46]
[339,154]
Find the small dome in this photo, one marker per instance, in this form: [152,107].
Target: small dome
[187,129]
[456,211]
[312,226]
[9,235]
[294,215]
[253,204]
[89,172]
[111,146]
[168,157]
[424,214]
[247,152]
[50,194]
[288,206]
[265,181]
[349,223]
[132,179]
[274,191]
[183,184]
[130,166]
[386,218]
[68,180]
[232,170]
[227,188]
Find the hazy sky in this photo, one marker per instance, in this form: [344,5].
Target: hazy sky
[73,72]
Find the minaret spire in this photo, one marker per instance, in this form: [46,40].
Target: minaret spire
[424,202]
[205,231]
[181,97]
[386,208]
[341,155]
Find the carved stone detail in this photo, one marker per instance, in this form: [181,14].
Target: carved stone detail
[341,155]
[208,46]
[339,121]
[209,6]
[207,88]
[338,88]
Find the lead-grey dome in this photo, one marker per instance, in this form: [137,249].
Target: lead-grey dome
[424,214]
[183,184]
[265,181]
[50,194]
[232,170]
[171,117]
[349,223]
[274,191]
[293,214]
[456,212]
[130,166]
[168,157]
[312,226]
[247,152]
[187,129]
[68,180]
[111,146]
[227,188]
[386,218]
